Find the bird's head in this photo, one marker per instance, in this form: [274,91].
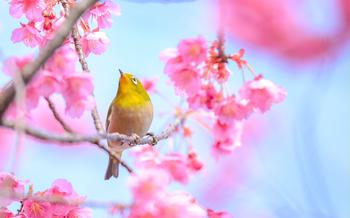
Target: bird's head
[130,90]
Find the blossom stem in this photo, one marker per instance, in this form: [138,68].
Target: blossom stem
[57,116]
[84,65]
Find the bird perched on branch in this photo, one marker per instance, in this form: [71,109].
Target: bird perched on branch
[131,112]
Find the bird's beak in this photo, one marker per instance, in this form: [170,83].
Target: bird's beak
[121,72]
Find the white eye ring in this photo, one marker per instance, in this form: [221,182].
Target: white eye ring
[134,80]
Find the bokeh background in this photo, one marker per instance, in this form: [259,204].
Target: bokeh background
[294,161]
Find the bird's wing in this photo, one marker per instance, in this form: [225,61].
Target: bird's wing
[109,114]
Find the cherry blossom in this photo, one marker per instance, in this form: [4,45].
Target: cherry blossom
[5,213]
[193,50]
[37,209]
[206,98]
[27,33]
[32,9]
[262,93]
[102,13]
[9,185]
[150,85]
[176,165]
[200,74]
[80,213]
[13,65]
[185,79]
[227,137]
[232,109]
[78,94]
[148,184]
[94,42]
[63,61]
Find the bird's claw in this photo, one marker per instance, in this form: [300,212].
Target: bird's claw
[154,138]
[135,139]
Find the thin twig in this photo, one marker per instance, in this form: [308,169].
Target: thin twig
[221,46]
[29,71]
[57,116]
[82,59]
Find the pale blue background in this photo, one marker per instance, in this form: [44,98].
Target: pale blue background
[300,169]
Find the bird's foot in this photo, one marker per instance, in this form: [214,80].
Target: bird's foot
[154,138]
[135,139]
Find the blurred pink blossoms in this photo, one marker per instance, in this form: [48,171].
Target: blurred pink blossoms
[150,185]
[59,75]
[60,200]
[199,72]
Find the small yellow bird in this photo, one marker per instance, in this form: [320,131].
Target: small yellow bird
[131,112]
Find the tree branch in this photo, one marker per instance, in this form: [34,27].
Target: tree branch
[70,130]
[96,138]
[29,71]
[57,116]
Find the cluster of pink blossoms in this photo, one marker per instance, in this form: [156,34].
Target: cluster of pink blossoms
[60,200]
[200,74]
[149,186]
[59,75]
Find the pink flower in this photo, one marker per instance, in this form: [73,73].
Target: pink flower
[31,8]
[9,186]
[238,58]
[232,109]
[168,54]
[206,98]
[192,161]
[61,187]
[227,137]
[193,50]
[149,184]
[80,213]
[5,213]
[78,94]
[46,83]
[63,61]
[27,33]
[94,42]
[176,165]
[149,85]
[32,97]
[102,13]
[180,204]
[185,77]
[13,65]
[62,190]
[146,156]
[35,209]
[262,93]
[222,72]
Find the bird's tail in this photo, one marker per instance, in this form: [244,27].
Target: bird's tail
[113,167]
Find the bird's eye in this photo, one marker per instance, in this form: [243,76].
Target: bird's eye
[134,80]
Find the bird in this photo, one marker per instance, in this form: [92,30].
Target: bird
[130,113]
